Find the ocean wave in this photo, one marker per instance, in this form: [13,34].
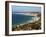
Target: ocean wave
[30,21]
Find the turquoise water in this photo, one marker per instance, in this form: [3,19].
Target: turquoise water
[19,19]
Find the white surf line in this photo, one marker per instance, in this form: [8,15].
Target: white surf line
[30,21]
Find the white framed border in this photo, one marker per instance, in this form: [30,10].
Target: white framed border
[24,32]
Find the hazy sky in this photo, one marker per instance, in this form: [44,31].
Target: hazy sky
[25,8]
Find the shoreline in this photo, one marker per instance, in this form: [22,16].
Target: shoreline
[30,21]
[35,25]
[30,26]
[28,14]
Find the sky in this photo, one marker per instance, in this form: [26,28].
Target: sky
[25,8]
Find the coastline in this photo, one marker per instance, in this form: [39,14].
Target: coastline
[34,24]
[30,21]
[28,24]
[28,14]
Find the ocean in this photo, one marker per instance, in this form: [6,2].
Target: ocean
[18,19]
